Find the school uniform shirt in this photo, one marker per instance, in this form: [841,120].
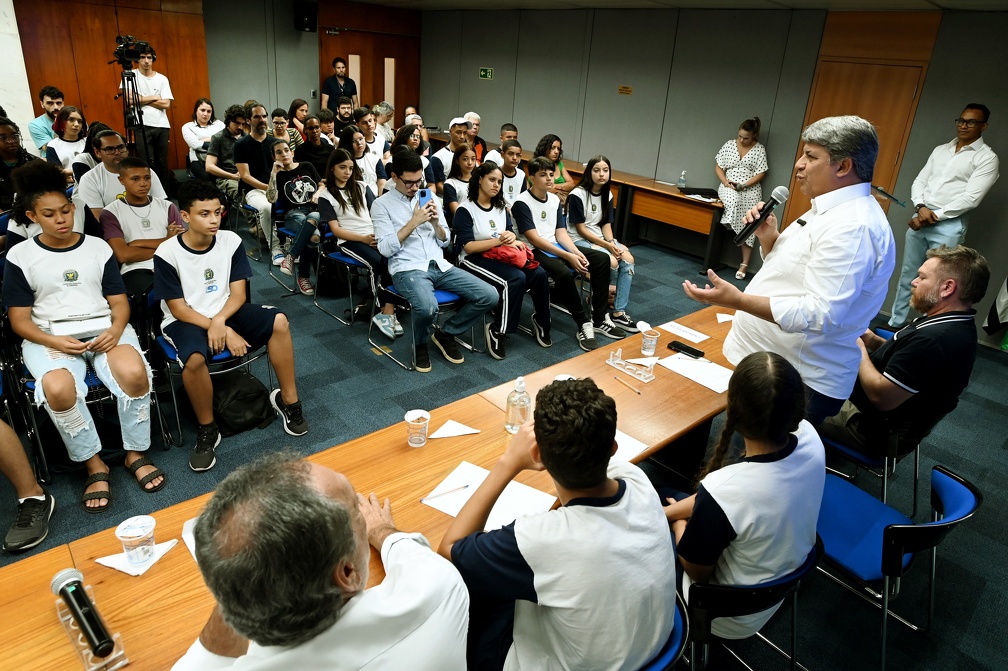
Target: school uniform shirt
[494,156]
[99,187]
[372,169]
[349,219]
[755,521]
[378,146]
[593,581]
[513,186]
[545,216]
[62,153]
[472,222]
[62,284]
[202,278]
[455,191]
[588,209]
[441,163]
[120,219]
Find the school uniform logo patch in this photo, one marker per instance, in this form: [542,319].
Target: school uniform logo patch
[594,207]
[542,215]
[493,225]
[208,274]
[70,276]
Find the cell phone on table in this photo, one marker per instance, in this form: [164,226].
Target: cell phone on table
[683,348]
[425,197]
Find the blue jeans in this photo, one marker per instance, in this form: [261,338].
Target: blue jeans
[305,222]
[950,232]
[417,287]
[78,428]
[621,276]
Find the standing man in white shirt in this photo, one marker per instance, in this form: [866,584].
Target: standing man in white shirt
[956,177]
[825,277]
[155,99]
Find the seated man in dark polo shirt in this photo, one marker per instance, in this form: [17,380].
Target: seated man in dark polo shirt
[908,383]
[314,150]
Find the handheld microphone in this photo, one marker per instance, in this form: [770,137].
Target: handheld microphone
[779,195]
[68,585]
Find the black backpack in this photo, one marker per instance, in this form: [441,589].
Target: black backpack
[240,402]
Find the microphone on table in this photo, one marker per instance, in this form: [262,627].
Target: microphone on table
[779,195]
[68,585]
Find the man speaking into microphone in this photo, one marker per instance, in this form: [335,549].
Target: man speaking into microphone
[825,276]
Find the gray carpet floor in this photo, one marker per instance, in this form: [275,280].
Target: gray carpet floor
[348,391]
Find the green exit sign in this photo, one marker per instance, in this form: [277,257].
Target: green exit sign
[486,73]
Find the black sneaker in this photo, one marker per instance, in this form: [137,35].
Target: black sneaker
[609,330]
[494,341]
[586,337]
[542,334]
[448,346]
[625,322]
[203,457]
[293,419]
[421,359]
[31,525]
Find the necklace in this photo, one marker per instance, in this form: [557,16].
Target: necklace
[144,220]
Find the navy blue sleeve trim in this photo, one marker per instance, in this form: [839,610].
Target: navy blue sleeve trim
[708,532]
[380,170]
[326,211]
[428,174]
[560,218]
[112,281]
[438,169]
[492,565]
[462,225]
[522,216]
[369,197]
[450,196]
[167,285]
[17,293]
[240,268]
[575,213]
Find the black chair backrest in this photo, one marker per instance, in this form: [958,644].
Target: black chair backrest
[953,498]
[707,602]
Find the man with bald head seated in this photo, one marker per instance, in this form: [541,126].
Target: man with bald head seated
[284,546]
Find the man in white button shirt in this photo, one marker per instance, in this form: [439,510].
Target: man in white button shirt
[284,545]
[825,277]
[956,177]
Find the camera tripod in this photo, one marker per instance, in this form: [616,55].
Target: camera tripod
[133,116]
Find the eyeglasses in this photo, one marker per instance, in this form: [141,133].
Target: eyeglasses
[416,136]
[114,150]
[969,123]
[410,183]
[279,123]
[13,138]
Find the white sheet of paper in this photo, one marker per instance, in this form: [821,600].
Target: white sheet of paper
[452,428]
[188,538]
[120,563]
[683,332]
[702,371]
[627,447]
[643,360]
[722,318]
[517,500]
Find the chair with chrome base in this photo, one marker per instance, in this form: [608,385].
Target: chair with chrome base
[673,649]
[873,544]
[707,602]
[333,254]
[880,467]
[446,301]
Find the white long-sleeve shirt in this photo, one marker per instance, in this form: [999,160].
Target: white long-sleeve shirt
[952,182]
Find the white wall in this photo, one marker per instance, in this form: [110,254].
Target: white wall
[15,97]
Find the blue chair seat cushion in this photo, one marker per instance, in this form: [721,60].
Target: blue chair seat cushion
[90,379]
[440,295]
[343,258]
[851,523]
[171,354]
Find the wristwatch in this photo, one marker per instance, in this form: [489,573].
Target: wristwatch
[918,207]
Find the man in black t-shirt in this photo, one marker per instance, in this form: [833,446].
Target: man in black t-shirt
[314,150]
[338,86]
[908,383]
[253,158]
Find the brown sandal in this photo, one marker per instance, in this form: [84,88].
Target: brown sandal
[156,473]
[91,496]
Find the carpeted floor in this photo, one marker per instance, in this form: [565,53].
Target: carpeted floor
[348,391]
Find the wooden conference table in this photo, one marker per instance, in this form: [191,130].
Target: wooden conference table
[162,612]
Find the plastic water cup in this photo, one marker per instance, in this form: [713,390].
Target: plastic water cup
[650,342]
[137,537]
[417,422]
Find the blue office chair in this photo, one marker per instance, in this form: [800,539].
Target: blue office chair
[673,649]
[333,254]
[872,543]
[708,602]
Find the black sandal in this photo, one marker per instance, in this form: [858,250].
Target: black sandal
[156,473]
[90,496]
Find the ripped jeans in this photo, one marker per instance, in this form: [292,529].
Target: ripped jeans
[621,276]
[76,426]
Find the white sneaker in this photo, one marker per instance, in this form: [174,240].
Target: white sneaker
[384,324]
[278,258]
[398,327]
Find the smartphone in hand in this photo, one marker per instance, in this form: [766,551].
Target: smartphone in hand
[425,197]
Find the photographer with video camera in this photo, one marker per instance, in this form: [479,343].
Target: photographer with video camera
[149,104]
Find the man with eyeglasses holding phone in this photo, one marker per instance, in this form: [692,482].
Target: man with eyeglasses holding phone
[956,177]
[100,185]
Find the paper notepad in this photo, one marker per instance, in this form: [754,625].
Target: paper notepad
[627,447]
[702,371]
[683,332]
[517,500]
[452,428]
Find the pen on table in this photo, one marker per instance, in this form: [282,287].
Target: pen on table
[450,491]
[627,384]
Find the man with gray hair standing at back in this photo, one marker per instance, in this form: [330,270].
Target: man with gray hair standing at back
[825,277]
[284,547]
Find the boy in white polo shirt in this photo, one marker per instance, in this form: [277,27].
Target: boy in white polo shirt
[201,278]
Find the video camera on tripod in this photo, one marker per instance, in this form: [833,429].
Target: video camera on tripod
[128,50]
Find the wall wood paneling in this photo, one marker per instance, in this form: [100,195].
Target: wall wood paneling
[69,44]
